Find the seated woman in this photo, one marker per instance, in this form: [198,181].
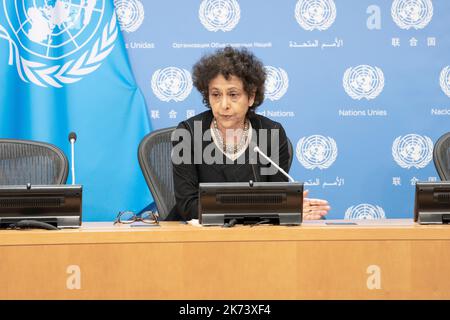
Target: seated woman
[216,145]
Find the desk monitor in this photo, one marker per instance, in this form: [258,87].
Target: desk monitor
[250,203]
[432,203]
[58,205]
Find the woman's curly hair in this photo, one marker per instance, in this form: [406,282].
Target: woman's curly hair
[231,62]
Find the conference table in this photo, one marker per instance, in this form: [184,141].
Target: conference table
[331,259]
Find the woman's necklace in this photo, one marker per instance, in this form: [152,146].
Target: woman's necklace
[232,148]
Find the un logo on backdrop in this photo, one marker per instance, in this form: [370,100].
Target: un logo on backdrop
[130,14]
[44,27]
[316,151]
[363,81]
[409,14]
[171,84]
[277,83]
[218,15]
[315,14]
[365,211]
[412,150]
[49,30]
[444,80]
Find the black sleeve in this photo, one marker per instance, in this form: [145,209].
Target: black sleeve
[283,157]
[185,180]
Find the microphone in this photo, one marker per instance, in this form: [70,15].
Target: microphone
[256,149]
[72,139]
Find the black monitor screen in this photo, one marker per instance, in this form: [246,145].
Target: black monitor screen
[59,205]
[432,202]
[271,202]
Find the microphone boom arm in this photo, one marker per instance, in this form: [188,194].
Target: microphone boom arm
[256,149]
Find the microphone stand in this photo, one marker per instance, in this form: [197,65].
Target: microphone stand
[72,139]
[256,149]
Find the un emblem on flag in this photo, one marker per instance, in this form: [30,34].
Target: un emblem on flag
[316,151]
[412,150]
[277,83]
[218,15]
[409,14]
[130,14]
[363,81]
[315,14]
[171,84]
[365,211]
[444,80]
[45,31]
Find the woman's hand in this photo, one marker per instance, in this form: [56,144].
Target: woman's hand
[314,209]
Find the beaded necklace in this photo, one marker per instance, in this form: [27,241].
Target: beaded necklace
[233,148]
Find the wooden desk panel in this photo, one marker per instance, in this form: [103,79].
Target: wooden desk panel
[178,261]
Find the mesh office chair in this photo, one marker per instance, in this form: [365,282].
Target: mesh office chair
[291,154]
[441,156]
[155,159]
[25,161]
[154,155]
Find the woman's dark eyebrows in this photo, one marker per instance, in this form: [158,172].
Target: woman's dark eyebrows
[227,89]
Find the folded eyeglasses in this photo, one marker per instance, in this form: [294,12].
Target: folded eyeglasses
[128,217]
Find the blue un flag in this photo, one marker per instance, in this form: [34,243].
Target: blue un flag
[63,68]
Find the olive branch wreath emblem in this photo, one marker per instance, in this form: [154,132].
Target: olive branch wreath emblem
[72,71]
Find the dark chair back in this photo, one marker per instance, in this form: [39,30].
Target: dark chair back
[156,163]
[154,155]
[291,154]
[441,156]
[26,161]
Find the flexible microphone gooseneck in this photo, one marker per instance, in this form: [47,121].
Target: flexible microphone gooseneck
[72,139]
[256,149]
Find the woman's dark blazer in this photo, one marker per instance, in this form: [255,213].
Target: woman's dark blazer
[187,176]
